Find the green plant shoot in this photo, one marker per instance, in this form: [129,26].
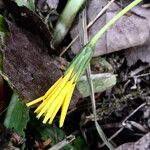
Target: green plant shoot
[59,95]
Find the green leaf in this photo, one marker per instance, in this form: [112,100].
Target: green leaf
[28,3]
[54,133]
[3,25]
[76,144]
[101,64]
[57,135]
[17,115]
[101,82]
[3,29]
[31,5]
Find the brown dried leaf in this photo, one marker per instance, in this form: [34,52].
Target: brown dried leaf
[93,9]
[42,144]
[142,144]
[138,53]
[27,63]
[52,3]
[25,18]
[131,30]
[5,139]
[16,139]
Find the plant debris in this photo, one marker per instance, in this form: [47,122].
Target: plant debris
[27,63]
[130,31]
[30,66]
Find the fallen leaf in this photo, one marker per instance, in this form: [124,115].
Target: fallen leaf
[131,30]
[16,139]
[42,144]
[27,19]
[142,144]
[53,133]
[5,139]
[52,3]
[27,63]
[141,52]
[101,82]
[138,53]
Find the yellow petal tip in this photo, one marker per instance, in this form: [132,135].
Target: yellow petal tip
[60,125]
[44,122]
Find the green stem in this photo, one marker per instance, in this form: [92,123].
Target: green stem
[94,40]
[80,62]
[65,20]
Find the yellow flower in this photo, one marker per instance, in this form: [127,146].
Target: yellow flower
[58,95]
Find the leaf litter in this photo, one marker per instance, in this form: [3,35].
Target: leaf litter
[31,76]
[130,31]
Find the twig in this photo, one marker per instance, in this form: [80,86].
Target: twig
[84,41]
[100,13]
[142,75]
[130,12]
[63,143]
[131,114]
[114,135]
[137,126]
[124,122]
[138,70]
[88,26]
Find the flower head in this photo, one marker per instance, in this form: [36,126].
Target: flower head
[59,95]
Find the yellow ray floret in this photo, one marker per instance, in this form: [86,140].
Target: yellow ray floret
[59,95]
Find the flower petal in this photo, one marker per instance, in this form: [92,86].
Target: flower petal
[49,100]
[58,99]
[51,97]
[35,101]
[66,104]
[53,87]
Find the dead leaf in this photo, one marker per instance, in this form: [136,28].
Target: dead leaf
[141,52]
[52,3]
[138,53]
[131,30]
[27,63]
[42,144]
[29,20]
[5,135]
[142,144]
[16,139]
